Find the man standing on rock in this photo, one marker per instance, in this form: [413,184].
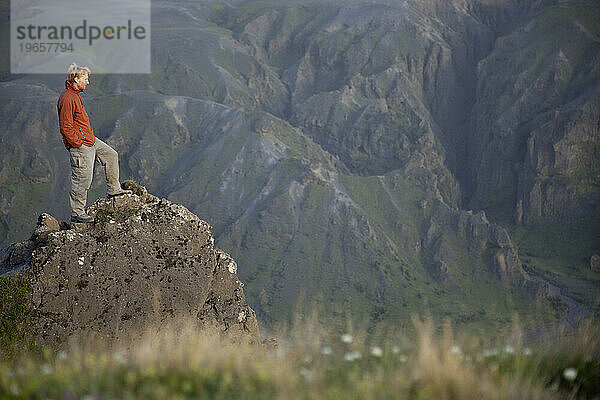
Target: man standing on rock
[83,146]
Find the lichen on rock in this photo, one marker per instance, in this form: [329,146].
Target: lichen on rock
[144,262]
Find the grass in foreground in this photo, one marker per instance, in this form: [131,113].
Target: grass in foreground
[186,364]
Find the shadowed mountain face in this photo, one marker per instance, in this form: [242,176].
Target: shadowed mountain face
[335,150]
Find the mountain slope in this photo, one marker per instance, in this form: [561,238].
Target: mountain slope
[336,151]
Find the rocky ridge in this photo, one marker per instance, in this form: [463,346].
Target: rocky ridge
[144,263]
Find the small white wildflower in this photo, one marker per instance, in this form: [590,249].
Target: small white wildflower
[403,358]
[455,350]
[306,373]
[396,349]
[527,351]
[352,356]
[326,350]
[81,260]
[307,359]
[347,338]
[46,369]
[14,389]
[61,355]
[490,353]
[509,349]
[120,357]
[570,374]
[376,351]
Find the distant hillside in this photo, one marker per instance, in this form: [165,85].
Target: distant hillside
[337,150]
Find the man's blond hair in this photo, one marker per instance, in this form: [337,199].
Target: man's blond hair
[76,71]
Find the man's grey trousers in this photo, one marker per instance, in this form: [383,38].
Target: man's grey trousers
[82,172]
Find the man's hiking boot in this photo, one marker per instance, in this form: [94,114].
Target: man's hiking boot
[82,218]
[121,193]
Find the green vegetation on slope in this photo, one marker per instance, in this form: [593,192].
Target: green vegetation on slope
[14,312]
[561,254]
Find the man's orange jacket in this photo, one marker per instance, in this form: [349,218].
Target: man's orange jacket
[73,120]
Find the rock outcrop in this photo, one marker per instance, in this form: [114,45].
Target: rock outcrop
[144,262]
[595,262]
[489,245]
